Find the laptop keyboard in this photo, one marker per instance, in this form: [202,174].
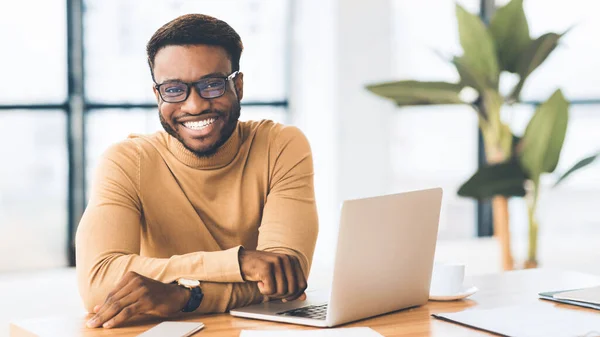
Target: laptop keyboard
[312,311]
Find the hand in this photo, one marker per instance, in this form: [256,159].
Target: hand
[137,295]
[279,276]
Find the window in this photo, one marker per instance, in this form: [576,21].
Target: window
[433,145]
[423,135]
[117,52]
[570,209]
[34,57]
[33,189]
[34,169]
[36,191]
[573,66]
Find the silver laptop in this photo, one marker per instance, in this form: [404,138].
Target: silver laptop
[383,263]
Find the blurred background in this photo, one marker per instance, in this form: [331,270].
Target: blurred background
[306,62]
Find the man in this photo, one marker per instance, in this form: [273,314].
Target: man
[209,215]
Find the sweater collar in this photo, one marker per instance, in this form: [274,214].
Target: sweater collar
[224,155]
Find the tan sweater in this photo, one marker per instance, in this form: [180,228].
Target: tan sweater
[159,210]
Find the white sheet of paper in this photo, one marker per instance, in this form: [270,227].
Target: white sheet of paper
[173,329]
[588,295]
[531,320]
[341,332]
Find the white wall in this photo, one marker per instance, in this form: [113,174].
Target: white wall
[338,47]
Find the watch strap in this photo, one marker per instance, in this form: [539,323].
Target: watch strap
[196,297]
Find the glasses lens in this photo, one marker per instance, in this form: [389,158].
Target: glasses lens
[211,87]
[173,91]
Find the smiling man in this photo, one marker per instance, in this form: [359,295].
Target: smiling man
[211,214]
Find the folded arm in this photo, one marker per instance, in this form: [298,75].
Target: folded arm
[108,237]
[108,243]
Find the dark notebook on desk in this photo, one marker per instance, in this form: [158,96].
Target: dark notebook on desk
[585,297]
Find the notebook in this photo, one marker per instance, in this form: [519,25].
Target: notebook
[586,297]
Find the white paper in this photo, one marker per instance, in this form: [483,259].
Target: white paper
[341,332]
[173,329]
[531,320]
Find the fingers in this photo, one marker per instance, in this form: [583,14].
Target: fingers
[131,306]
[116,300]
[281,277]
[292,286]
[300,279]
[278,276]
[269,284]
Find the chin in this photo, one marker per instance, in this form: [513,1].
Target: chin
[204,149]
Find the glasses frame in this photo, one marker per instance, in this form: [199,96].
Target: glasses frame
[190,84]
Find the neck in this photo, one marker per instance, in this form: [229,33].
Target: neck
[222,156]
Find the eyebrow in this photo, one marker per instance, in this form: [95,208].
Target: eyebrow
[215,74]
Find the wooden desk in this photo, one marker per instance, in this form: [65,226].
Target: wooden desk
[494,290]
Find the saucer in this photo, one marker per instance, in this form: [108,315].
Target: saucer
[466,292]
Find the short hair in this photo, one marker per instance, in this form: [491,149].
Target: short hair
[194,29]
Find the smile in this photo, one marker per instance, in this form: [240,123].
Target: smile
[199,125]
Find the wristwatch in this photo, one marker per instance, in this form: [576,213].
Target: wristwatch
[196,294]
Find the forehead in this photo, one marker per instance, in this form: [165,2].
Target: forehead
[189,63]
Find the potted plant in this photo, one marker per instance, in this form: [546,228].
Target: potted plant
[514,164]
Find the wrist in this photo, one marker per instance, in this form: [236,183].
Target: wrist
[183,296]
[191,294]
[241,254]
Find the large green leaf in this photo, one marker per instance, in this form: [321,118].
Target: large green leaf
[506,179]
[469,76]
[535,54]
[580,164]
[418,93]
[478,46]
[544,136]
[510,32]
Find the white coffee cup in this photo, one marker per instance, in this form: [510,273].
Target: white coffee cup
[447,279]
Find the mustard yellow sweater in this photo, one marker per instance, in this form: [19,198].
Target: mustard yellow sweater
[159,210]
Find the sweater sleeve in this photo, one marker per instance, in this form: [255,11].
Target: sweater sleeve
[108,242]
[290,224]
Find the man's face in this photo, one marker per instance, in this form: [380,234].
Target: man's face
[201,125]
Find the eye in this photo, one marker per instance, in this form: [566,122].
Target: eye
[213,83]
[173,89]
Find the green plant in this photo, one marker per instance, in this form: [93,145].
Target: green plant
[579,165]
[503,45]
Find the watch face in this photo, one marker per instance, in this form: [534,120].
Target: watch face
[188,283]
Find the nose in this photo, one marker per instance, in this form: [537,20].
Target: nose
[195,104]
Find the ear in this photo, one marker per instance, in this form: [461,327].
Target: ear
[238,83]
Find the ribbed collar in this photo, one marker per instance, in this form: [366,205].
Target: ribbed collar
[221,158]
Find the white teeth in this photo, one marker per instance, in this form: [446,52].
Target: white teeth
[199,125]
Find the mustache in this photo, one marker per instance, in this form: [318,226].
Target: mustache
[203,112]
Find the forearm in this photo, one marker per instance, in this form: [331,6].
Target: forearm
[98,276]
[222,297]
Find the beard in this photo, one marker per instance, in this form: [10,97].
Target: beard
[225,132]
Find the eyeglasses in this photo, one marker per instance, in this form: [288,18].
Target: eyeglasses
[210,87]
